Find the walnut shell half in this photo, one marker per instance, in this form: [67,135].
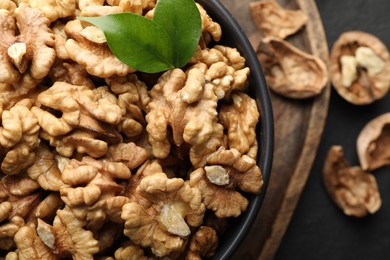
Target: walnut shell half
[373,143]
[290,71]
[360,67]
[353,190]
[272,19]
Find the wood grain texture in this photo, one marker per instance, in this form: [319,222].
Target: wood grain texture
[298,128]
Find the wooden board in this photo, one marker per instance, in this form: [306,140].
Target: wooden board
[298,129]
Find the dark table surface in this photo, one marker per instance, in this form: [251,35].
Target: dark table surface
[318,229]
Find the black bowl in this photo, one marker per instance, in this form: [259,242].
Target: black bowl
[233,35]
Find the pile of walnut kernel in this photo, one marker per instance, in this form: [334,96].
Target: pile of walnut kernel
[101,161]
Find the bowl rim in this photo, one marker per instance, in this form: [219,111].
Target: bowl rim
[265,131]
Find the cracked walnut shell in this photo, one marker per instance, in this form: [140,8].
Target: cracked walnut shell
[354,190]
[274,20]
[289,71]
[360,67]
[373,143]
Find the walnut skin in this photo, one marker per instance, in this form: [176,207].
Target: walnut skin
[226,171]
[224,68]
[20,197]
[94,10]
[224,202]
[97,59]
[94,190]
[71,73]
[74,101]
[148,168]
[99,129]
[372,143]
[108,235]
[200,152]
[167,207]
[19,135]
[169,107]
[90,135]
[133,99]
[82,142]
[8,229]
[46,169]
[47,209]
[60,40]
[93,3]
[100,104]
[25,202]
[291,72]
[67,237]
[354,190]
[127,153]
[54,9]
[273,20]
[130,251]
[203,244]
[20,185]
[8,5]
[59,97]
[240,118]
[91,179]
[133,6]
[164,96]
[31,52]
[30,246]
[208,25]
[360,67]
[243,170]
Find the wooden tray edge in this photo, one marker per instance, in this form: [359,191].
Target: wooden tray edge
[316,126]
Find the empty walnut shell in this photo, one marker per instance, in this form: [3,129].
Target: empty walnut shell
[353,190]
[291,72]
[360,67]
[274,20]
[373,143]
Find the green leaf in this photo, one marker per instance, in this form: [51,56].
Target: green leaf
[182,21]
[166,42]
[136,41]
